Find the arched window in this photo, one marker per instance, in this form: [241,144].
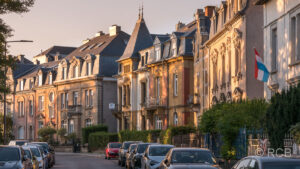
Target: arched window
[21,132]
[71,126]
[158,123]
[175,119]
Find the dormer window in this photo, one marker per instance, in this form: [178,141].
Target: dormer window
[30,84]
[75,71]
[88,68]
[40,80]
[157,53]
[174,47]
[21,85]
[146,59]
[120,67]
[64,73]
[143,61]
[50,79]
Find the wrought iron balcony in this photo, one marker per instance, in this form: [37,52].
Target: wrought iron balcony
[154,102]
[74,110]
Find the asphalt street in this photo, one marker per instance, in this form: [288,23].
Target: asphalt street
[83,161]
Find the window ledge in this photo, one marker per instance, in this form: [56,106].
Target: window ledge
[294,63]
[273,71]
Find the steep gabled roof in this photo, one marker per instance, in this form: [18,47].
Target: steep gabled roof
[63,50]
[140,39]
[102,45]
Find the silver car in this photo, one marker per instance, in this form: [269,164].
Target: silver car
[14,157]
[192,158]
[257,162]
[154,155]
[123,150]
[129,155]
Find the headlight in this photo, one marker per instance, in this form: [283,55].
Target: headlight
[152,162]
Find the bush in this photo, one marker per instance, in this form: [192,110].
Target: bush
[46,134]
[62,133]
[9,126]
[101,139]
[92,129]
[145,136]
[295,131]
[166,135]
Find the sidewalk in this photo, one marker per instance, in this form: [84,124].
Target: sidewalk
[98,155]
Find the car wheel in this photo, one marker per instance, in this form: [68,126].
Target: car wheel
[108,158]
[105,157]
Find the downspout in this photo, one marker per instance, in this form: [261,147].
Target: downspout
[168,79]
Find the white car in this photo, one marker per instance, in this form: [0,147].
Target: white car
[33,158]
[154,155]
[17,142]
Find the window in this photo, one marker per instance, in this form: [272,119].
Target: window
[67,100]
[71,126]
[50,79]
[41,124]
[41,103]
[40,80]
[205,82]
[274,49]
[51,111]
[143,60]
[51,97]
[120,67]
[21,85]
[86,98]
[174,47]
[21,108]
[157,87]
[31,107]
[88,122]
[175,119]
[126,68]
[175,76]
[243,164]
[75,98]
[75,71]
[91,97]
[295,37]
[143,92]
[62,99]
[88,68]
[158,123]
[253,165]
[30,84]
[64,124]
[64,73]
[146,59]
[157,53]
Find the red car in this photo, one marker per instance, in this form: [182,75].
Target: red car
[112,150]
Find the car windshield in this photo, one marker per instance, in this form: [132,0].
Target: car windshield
[35,152]
[20,143]
[115,145]
[45,145]
[126,145]
[281,165]
[9,154]
[142,147]
[188,156]
[132,147]
[27,152]
[159,151]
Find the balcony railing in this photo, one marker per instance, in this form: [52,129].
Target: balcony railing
[154,102]
[74,110]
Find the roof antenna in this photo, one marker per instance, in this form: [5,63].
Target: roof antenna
[139,11]
[142,9]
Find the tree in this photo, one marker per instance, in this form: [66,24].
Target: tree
[46,134]
[283,112]
[62,133]
[295,131]
[9,126]
[6,7]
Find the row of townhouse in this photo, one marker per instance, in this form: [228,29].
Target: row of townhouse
[173,79]
[66,87]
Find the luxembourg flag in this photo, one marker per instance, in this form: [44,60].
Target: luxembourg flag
[261,71]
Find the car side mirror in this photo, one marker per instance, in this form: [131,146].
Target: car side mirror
[25,157]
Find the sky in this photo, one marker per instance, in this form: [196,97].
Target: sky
[69,22]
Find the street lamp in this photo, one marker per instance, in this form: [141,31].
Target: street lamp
[5,70]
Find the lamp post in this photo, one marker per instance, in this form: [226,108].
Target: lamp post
[5,70]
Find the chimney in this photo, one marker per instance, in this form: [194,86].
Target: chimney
[179,25]
[209,11]
[100,33]
[57,56]
[114,30]
[85,41]
[199,13]
[21,58]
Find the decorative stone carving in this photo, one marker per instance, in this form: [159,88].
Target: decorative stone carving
[214,56]
[229,97]
[222,98]
[238,93]
[237,37]
[223,49]
[215,100]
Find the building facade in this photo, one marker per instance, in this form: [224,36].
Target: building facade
[231,43]
[281,44]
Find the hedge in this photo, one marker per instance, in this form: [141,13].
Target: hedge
[92,129]
[145,136]
[166,135]
[101,139]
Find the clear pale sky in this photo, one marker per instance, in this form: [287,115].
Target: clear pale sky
[69,22]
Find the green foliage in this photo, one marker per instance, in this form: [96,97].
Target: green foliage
[9,125]
[8,62]
[283,112]
[62,133]
[72,137]
[295,131]
[228,118]
[145,136]
[92,129]
[166,135]
[46,134]
[101,139]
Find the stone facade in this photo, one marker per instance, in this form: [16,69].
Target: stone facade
[281,53]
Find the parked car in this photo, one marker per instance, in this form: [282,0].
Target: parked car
[137,154]
[257,162]
[44,154]
[17,142]
[123,150]
[194,158]
[14,157]
[31,156]
[129,155]
[154,154]
[50,152]
[112,150]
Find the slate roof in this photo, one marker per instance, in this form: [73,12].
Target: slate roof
[63,50]
[22,69]
[139,40]
[102,45]
[46,67]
